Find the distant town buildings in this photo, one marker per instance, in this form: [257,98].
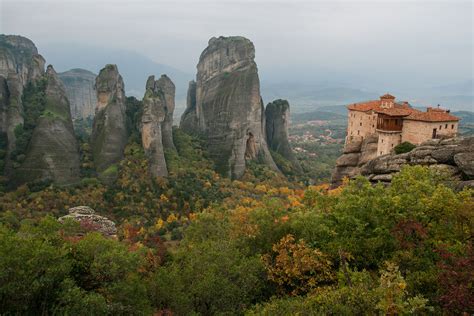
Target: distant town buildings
[395,123]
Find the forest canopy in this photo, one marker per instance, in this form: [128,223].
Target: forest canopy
[257,248]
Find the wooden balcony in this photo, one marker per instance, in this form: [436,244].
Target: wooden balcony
[389,124]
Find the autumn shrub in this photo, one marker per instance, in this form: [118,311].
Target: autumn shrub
[296,268]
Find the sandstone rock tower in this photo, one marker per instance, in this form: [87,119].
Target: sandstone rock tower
[226,107]
[109,131]
[52,151]
[157,122]
[277,115]
[79,84]
[20,64]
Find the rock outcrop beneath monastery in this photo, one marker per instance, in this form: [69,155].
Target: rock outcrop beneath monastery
[90,221]
[79,84]
[228,110]
[20,64]
[355,155]
[52,151]
[277,115]
[109,131]
[156,123]
[454,156]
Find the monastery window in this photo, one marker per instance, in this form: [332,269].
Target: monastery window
[452,126]
[446,126]
[360,123]
[373,125]
[440,127]
[392,145]
[381,152]
[382,141]
[358,132]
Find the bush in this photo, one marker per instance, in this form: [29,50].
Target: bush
[404,148]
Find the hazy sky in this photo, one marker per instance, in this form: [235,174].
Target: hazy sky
[422,41]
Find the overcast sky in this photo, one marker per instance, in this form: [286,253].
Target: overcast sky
[421,40]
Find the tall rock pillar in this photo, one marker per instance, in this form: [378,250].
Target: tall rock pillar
[226,107]
[109,131]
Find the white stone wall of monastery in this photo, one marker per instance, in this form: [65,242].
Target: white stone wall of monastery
[417,132]
[360,125]
[387,141]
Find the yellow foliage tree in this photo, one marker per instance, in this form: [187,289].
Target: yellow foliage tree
[297,268]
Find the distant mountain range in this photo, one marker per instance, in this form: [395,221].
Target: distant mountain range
[306,96]
[303,95]
[134,67]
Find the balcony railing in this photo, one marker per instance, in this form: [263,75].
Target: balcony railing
[390,124]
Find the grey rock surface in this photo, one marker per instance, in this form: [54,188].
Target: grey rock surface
[156,123]
[453,157]
[20,64]
[53,152]
[86,217]
[109,131]
[277,116]
[79,84]
[189,120]
[228,110]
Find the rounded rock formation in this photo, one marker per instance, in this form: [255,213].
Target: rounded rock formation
[88,219]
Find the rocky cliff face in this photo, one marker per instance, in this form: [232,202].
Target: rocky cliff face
[52,151]
[166,88]
[79,84]
[20,63]
[109,131]
[454,156]
[156,123]
[189,121]
[228,108]
[277,115]
[356,154]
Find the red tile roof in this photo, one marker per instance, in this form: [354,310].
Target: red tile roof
[365,106]
[396,110]
[409,113]
[432,116]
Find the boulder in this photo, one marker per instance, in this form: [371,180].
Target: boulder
[228,110]
[465,162]
[350,160]
[445,154]
[88,219]
[382,177]
[353,146]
